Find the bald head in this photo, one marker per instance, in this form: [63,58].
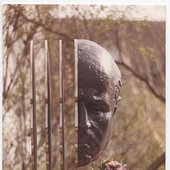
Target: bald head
[98,85]
[95,62]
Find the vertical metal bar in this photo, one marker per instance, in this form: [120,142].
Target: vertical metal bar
[76,100]
[48,108]
[61,89]
[33,116]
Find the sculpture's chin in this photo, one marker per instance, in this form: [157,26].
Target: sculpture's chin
[83,160]
[86,154]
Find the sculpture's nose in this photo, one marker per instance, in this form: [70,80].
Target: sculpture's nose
[84,121]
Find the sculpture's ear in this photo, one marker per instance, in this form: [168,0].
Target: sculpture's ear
[116,102]
[117,97]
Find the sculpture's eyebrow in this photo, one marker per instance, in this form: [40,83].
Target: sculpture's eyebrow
[91,95]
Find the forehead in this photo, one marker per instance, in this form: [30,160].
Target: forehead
[90,77]
[96,67]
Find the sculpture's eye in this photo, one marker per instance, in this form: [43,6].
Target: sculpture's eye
[99,106]
[97,116]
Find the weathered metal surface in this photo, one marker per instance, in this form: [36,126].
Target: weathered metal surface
[61,91]
[76,100]
[33,115]
[48,108]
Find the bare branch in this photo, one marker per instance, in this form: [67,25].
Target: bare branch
[46,28]
[116,35]
[21,62]
[142,79]
[157,163]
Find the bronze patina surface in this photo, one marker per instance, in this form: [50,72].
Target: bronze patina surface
[99,81]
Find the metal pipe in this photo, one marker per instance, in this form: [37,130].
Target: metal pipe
[48,113]
[33,116]
[76,100]
[61,91]
[48,108]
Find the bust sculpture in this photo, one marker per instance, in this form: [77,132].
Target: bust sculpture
[99,81]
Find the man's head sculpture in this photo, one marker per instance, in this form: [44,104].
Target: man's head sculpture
[99,82]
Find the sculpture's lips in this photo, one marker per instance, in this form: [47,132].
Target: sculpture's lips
[87,152]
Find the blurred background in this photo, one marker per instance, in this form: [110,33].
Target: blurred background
[135,37]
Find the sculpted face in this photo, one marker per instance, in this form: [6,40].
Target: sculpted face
[99,82]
